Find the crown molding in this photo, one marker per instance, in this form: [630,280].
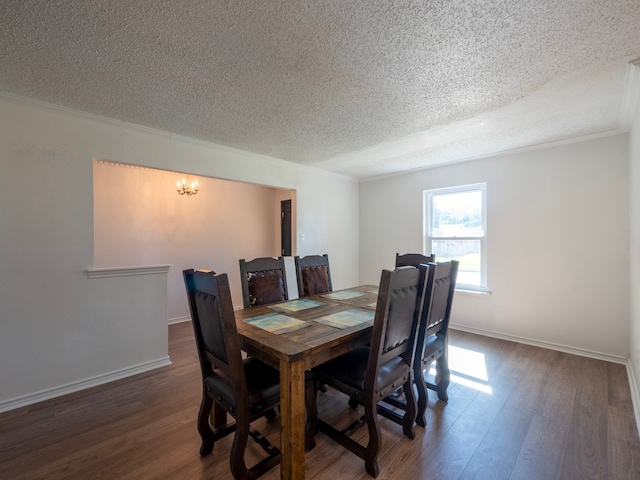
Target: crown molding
[512,151]
[173,137]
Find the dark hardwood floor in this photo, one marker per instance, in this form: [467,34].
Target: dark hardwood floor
[521,412]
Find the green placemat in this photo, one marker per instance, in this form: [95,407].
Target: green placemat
[296,305]
[347,318]
[276,323]
[343,295]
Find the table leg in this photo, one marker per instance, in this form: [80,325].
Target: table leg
[292,420]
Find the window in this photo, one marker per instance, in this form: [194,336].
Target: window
[455,229]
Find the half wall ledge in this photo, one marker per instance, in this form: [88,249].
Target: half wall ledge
[127,271]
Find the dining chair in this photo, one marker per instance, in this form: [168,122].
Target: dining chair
[246,389]
[264,280]
[413,259]
[313,275]
[432,338]
[369,373]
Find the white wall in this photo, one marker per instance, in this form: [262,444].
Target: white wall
[634,220]
[140,218]
[62,331]
[558,241]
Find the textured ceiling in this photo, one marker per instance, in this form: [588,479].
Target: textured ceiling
[358,87]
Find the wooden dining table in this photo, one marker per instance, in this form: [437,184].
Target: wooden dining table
[296,335]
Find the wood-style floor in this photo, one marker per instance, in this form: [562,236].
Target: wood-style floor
[521,412]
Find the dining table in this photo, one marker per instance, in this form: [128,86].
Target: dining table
[296,335]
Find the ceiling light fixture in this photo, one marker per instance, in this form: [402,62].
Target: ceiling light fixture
[186,187]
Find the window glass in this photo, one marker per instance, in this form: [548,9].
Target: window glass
[455,220]
[458,214]
[467,252]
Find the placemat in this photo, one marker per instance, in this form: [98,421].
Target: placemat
[343,295]
[296,305]
[347,318]
[276,323]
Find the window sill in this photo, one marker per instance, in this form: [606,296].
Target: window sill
[473,293]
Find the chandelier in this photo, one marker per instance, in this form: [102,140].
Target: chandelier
[187,188]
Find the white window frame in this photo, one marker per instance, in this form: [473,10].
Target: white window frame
[428,233]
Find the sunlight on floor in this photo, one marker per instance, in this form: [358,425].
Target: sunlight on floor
[468,368]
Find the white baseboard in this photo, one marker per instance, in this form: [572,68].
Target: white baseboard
[537,343]
[179,320]
[42,395]
[635,394]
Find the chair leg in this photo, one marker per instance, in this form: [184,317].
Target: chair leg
[410,415]
[423,395]
[238,466]
[373,447]
[219,416]
[444,374]
[311,427]
[204,427]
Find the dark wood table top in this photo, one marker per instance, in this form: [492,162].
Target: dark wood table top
[310,341]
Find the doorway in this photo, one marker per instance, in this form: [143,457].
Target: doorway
[285,228]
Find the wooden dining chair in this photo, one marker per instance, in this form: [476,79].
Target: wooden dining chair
[246,389]
[413,259]
[432,337]
[313,275]
[264,281]
[369,373]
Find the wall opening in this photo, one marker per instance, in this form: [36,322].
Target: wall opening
[140,219]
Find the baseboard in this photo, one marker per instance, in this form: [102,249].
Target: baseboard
[179,320]
[635,395]
[42,395]
[537,343]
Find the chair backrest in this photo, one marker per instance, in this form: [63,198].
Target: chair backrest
[438,299]
[264,280]
[398,312]
[413,259]
[313,275]
[214,325]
